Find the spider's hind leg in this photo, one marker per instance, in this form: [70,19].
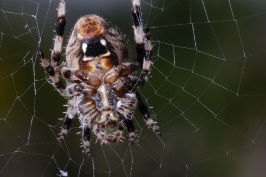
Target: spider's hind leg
[70,114]
[131,130]
[147,117]
[64,130]
[86,136]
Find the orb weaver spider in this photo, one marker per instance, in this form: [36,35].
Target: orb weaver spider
[99,82]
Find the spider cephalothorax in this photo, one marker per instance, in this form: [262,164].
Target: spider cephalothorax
[98,79]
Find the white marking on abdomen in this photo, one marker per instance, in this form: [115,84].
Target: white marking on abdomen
[104,94]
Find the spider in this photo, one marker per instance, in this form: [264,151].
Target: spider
[100,84]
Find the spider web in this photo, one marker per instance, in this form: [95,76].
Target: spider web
[206,91]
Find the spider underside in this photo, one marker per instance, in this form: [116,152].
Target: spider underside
[99,82]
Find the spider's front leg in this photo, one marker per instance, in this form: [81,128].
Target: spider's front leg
[60,28]
[56,52]
[66,73]
[143,43]
[60,87]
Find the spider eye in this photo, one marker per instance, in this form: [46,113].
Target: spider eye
[94,48]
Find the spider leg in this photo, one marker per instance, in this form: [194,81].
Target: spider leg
[60,27]
[70,114]
[64,130]
[64,72]
[56,73]
[51,71]
[144,54]
[86,140]
[56,53]
[146,115]
[143,42]
[131,130]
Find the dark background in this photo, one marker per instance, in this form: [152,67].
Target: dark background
[207,91]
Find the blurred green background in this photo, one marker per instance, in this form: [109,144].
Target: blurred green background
[206,91]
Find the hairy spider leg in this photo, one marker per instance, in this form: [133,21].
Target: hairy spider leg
[56,53]
[146,116]
[144,54]
[86,140]
[70,114]
[60,87]
[143,43]
[55,72]
[60,28]
[131,130]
